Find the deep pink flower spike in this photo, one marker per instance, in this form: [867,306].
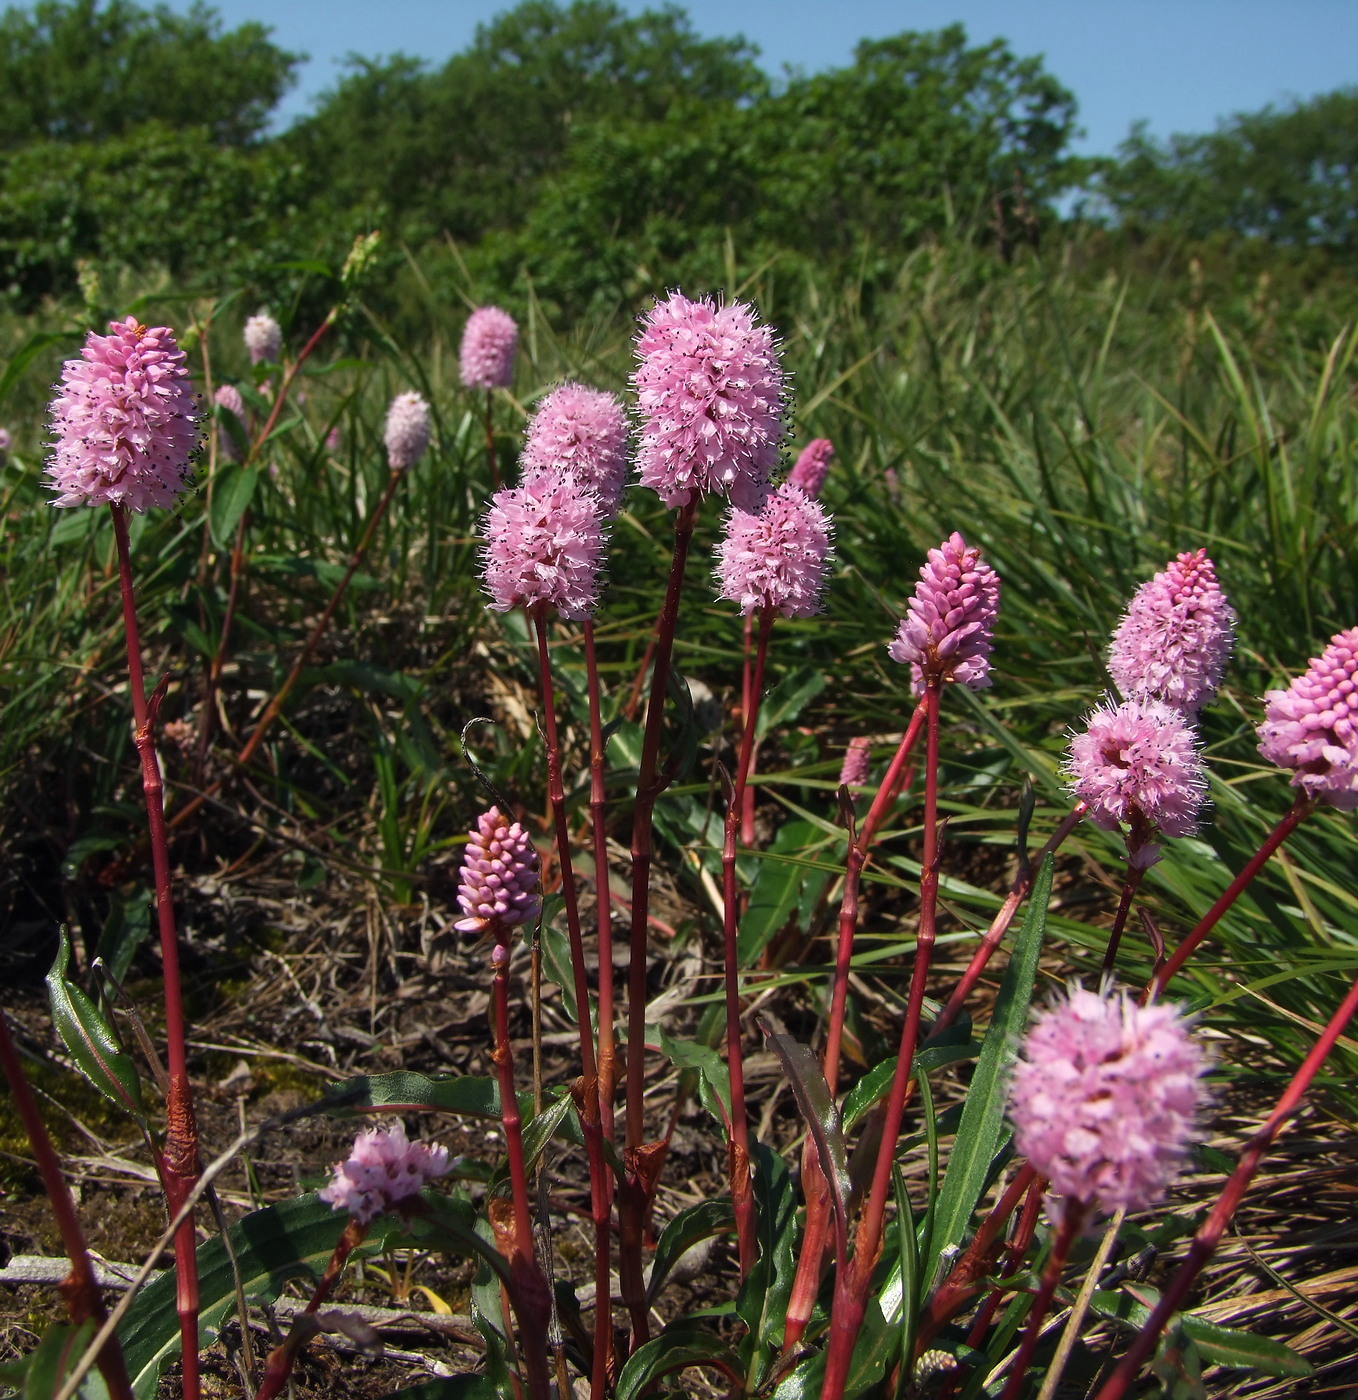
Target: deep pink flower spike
[813,466]
[489,340]
[580,432]
[777,558]
[499,881]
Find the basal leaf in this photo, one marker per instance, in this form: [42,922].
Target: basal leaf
[679,1346]
[688,1228]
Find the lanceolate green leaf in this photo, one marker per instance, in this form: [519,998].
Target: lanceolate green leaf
[679,1346]
[982,1128]
[232,491]
[764,1296]
[688,1228]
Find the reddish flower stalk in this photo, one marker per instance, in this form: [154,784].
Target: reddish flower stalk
[180,1158]
[600,1202]
[79,1288]
[1129,888]
[1300,808]
[742,1195]
[636,1191]
[851,1285]
[1071,1224]
[603,895]
[816,1235]
[746,703]
[1209,1234]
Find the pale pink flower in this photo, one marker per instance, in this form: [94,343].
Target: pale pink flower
[125,421]
[263,338]
[857,760]
[228,397]
[544,544]
[383,1170]
[1104,1099]
[334,439]
[6,442]
[1312,726]
[778,558]
[581,432]
[499,883]
[407,431]
[711,392]
[812,466]
[946,631]
[1176,636]
[489,340]
[1138,764]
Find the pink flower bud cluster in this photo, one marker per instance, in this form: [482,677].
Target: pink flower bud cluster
[499,884]
[544,545]
[383,1170]
[263,338]
[1104,1099]
[1138,764]
[947,630]
[489,341]
[407,431]
[125,421]
[581,432]
[857,761]
[778,558]
[711,392]
[1312,726]
[1176,636]
[813,466]
[228,397]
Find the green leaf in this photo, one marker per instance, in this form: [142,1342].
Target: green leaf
[714,1082]
[90,1039]
[293,1239]
[982,1129]
[475,1095]
[696,1223]
[40,1374]
[908,1242]
[455,1388]
[28,352]
[232,492]
[763,1298]
[680,1345]
[780,889]
[127,927]
[876,1083]
[786,700]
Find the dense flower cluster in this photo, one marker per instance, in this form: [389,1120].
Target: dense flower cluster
[581,432]
[499,882]
[544,544]
[489,340]
[1139,762]
[1104,1098]
[778,558]
[812,466]
[1312,726]
[383,1170]
[1176,636]
[263,338]
[947,629]
[853,771]
[711,391]
[407,431]
[125,421]
[228,397]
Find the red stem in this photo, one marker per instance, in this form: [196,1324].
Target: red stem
[1206,1240]
[600,1202]
[636,1193]
[1051,1276]
[79,1288]
[1129,887]
[531,1292]
[851,1285]
[742,1195]
[181,1130]
[748,701]
[603,895]
[1299,809]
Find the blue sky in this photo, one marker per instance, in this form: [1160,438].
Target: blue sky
[1178,64]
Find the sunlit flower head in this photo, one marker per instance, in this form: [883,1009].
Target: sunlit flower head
[263,338]
[489,340]
[777,558]
[383,1170]
[581,432]
[498,886]
[407,431]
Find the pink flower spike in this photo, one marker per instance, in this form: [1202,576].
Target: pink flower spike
[1312,726]
[581,432]
[228,397]
[407,431]
[544,544]
[813,465]
[711,391]
[1138,764]
[857,761]
[489,340]
[499,884]
[947,628]
[125,421]
[778,558]
[263,338]
[1176,636]
[1104,1099]
[383,1170]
